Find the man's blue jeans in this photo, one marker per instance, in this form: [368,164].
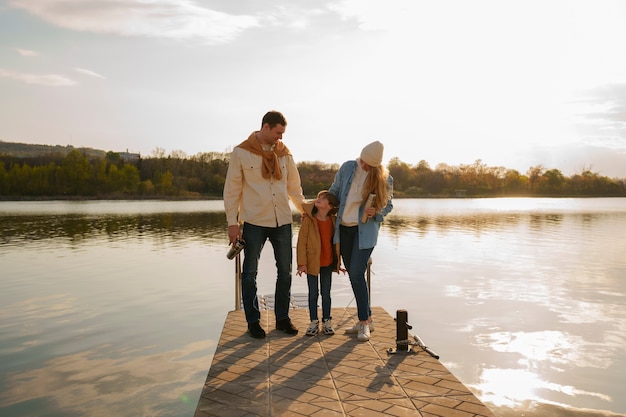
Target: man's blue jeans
[255,237]
[355,261]
[315,286]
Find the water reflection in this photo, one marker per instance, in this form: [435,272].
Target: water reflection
[22,229]
[398,225]
[92,383]
[211,224]
[533,350]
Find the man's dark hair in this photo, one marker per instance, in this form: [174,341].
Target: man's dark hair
[274,118]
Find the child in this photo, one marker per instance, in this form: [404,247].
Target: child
[317,255]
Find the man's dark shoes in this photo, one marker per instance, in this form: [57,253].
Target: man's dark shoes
[256,330]
[286,326]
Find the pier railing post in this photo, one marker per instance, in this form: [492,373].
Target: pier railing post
[369,281]
[238,282]
[402,330]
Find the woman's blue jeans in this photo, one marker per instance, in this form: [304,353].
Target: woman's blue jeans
[325,281]
[355,261]
[255,237]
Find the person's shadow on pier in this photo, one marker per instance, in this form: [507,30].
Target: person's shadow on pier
[279,373]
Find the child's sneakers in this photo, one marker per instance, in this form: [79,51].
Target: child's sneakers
[313,328]
[328,327]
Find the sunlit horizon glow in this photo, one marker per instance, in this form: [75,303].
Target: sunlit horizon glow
[515,84]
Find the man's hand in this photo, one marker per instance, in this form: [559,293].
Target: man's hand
[234,233]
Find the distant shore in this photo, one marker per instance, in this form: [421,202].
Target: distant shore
[213,198]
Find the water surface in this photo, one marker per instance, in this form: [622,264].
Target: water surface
[115,307]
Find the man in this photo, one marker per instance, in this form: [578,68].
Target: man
[262,177]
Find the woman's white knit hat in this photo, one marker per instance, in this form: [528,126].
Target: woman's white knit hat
[372,154]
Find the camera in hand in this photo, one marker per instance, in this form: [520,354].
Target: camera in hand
[235,248]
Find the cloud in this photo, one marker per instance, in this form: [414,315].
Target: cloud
[600,115]
[52,80]
[88,72]
[175,19]
[372,15]
[26,52]
[574,158]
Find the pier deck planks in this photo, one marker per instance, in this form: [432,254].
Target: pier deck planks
[322,375]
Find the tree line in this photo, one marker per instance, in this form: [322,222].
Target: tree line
[481,180]
[81,175]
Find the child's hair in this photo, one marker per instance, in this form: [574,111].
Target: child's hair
[332,200]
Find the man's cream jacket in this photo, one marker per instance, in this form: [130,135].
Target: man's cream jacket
[248,197]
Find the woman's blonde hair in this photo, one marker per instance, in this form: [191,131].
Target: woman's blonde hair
[376,183]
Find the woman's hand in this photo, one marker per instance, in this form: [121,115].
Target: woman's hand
[301,270]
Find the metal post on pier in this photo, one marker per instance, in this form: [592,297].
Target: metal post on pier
[369,281]
[238,282]
[402,330]
[403,344]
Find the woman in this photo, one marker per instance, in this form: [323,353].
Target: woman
[357,226]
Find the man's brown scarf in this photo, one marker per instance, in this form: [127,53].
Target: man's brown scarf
[271,167]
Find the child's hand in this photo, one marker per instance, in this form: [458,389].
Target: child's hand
[301,270]
[343,270]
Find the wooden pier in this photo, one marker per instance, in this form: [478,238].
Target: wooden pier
[323,375]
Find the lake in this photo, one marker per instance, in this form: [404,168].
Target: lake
[116,307]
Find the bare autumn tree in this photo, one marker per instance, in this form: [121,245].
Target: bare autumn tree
[534,174]
[401,173]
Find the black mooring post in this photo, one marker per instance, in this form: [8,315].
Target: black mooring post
[402,330]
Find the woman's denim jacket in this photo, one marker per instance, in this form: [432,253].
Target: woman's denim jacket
[368,231]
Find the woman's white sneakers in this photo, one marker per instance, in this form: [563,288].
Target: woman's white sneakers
[361,330]
[355,329]
[364,332]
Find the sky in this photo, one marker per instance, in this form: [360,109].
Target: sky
[510,83]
